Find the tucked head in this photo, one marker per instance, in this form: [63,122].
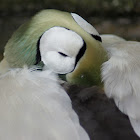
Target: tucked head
[64,42]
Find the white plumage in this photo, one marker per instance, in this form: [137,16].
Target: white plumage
[110,39]
[121,76]
[33,106]
[84,24]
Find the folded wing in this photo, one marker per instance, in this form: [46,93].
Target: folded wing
[34,107]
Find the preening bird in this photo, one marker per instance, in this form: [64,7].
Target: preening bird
[33,105]
[65,44]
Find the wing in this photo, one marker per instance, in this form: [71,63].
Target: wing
[34,107]
[121,77]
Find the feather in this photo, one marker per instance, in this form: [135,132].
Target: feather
[84,24]
[33,106]
[110,39]
[121,77]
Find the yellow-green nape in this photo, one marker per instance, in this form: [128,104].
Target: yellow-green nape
[88,71]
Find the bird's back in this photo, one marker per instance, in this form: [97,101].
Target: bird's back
[33,106]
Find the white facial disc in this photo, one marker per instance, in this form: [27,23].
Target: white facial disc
[59,48]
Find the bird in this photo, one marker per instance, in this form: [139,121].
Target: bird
[34,105]
[72,49]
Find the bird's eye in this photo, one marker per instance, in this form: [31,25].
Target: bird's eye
[63,54]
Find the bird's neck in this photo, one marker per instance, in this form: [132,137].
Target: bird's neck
[88,72]
[96,73]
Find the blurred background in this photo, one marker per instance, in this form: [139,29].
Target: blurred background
[120,17]
[98,115]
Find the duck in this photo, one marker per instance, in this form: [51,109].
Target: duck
[70,42]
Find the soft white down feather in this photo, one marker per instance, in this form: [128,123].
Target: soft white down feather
[121,77]
[110,39]
[33,106]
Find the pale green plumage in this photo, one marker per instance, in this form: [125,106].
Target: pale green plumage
[21,49]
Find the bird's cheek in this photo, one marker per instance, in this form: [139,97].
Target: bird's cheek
[57,63]
[66,65]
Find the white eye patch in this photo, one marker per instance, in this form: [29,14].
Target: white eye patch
[84,24]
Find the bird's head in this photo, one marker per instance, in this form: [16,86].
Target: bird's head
[64,42]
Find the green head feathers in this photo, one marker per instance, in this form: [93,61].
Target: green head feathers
[22,48]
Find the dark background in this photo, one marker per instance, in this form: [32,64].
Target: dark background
[120,17]
[98,115]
